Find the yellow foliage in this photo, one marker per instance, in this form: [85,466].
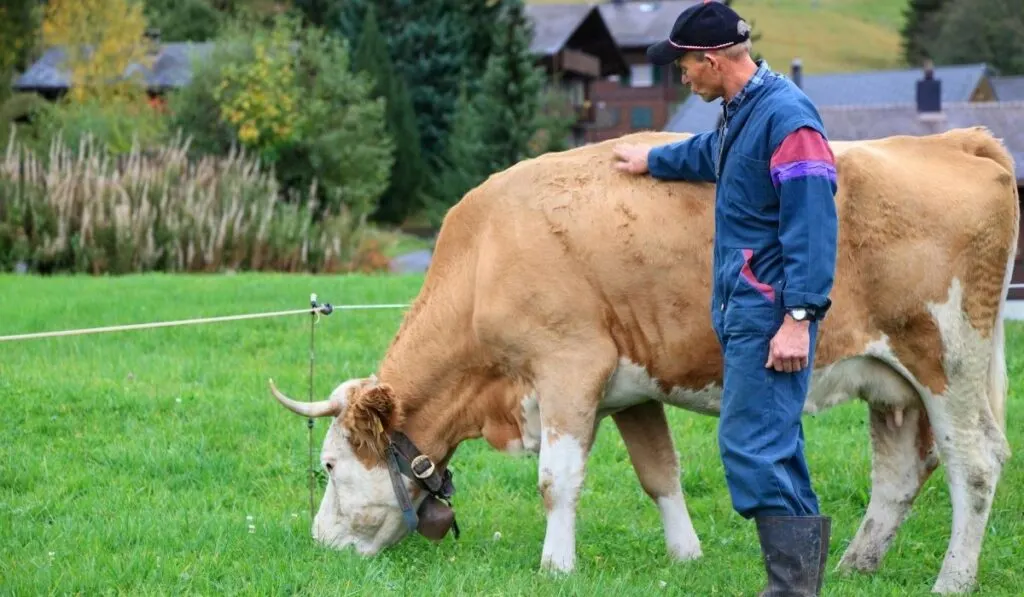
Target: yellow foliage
[259,97]
[101,39]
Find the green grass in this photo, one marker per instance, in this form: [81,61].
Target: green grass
[129,463]
[828,35]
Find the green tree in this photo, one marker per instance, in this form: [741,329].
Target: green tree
[428,46]
[508,105]
[505,121]
[404,193]
[335,132]
[462,166]
[990,31]
[184,20]
[921,22]
[19,31]
[320,13]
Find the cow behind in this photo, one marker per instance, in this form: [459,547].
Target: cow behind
[562,291]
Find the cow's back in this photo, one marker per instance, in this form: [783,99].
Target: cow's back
[568,236]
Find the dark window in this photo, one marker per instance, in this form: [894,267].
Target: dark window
[641,117]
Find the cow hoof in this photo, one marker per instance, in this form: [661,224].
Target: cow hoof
[857,562]
[953,586]
[685,554]
[555,565]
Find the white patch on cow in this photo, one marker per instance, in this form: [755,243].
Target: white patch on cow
[972,445]
[561,478]
[680,536]
[359,507]
[530,415]
[631,384]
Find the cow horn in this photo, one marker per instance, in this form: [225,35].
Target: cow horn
[322,408]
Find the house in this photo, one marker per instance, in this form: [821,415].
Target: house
[646,96]
[171,68]
[574,45]
[1008,88]
[960,84]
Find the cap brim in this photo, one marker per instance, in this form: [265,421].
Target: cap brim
[663,53]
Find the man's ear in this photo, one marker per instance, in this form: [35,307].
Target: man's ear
[370,418]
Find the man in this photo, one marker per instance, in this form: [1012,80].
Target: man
[774,260]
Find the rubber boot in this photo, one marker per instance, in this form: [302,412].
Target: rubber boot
[795,549]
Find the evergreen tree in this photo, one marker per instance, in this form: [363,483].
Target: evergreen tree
[403,195]
[500,124]
[922,19]
[480,18]
[461,168]
[323,14]
[428,46]
[183,20]
[990,31]
[508,105]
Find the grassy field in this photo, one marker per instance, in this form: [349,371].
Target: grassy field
[828,35]
[156,462]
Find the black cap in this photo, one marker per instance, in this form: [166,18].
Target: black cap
[705,26]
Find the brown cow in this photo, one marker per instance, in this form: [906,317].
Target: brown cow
[562,291]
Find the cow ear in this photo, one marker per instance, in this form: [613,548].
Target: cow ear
[370,418]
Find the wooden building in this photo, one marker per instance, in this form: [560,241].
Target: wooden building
[574,45]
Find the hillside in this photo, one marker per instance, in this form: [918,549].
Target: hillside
[828,35]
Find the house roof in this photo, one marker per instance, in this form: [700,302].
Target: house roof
[1004,118]
[857,88]
[171,68]
[1008,88]
[640,24]
[576,26]
[554,24]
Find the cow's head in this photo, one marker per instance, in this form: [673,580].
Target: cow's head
[379,487]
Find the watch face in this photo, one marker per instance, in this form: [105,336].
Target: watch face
[799,314]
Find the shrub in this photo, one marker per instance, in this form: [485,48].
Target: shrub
[89,211]
[288,94]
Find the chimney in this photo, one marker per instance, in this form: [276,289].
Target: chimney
[929,92]
[797,73]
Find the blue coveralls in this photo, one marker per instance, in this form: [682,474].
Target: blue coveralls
[774,249]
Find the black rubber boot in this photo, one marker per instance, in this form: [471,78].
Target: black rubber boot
[795,549]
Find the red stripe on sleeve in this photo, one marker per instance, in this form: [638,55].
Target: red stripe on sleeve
[803,145]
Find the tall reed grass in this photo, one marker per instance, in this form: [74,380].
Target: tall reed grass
[82,210]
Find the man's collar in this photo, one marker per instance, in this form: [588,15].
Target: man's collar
[756,80]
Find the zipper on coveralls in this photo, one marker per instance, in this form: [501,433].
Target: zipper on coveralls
[723,131]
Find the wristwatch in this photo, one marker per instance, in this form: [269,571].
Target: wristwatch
[800,314]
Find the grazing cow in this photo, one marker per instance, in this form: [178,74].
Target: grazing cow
[562,291]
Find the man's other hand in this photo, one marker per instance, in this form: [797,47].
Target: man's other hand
[631,158]
[789,348]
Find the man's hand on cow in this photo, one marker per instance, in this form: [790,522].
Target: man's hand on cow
[788,350]
[631,158]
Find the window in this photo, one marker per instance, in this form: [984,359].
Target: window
[608,117]
[641,75]
[641,117]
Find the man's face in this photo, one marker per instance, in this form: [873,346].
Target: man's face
[703,75]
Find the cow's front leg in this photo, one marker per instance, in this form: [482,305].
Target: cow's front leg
[568,405]
[648,440]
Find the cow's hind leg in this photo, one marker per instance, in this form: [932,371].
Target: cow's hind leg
[903,457]
[568,387]
[973,448]
[645,432]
